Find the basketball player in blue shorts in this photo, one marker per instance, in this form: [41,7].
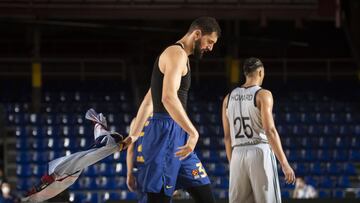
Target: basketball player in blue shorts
[170,138]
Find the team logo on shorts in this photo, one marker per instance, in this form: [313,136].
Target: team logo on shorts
[195,173]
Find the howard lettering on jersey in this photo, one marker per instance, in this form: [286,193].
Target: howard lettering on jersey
[242,97]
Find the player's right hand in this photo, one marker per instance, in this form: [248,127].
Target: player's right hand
[127,142]
[289,174]
[184,151]
[131,182]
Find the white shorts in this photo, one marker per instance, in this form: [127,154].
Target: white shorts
[253,175]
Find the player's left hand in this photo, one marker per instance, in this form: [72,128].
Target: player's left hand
[289,174]
[184,151]
[131,182]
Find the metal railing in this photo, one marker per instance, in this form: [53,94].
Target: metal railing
[324,68]
[81,68]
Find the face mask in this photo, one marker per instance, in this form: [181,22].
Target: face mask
[5,190]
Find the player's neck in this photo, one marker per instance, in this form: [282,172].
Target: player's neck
[251,82]
[187,43]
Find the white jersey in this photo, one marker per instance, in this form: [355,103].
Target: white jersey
[244,117]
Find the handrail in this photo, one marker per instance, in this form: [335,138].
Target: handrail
[106,67]
[208,67]
[286,67]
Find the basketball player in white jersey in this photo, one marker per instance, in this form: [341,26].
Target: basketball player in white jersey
[251,140]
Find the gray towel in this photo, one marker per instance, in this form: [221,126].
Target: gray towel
[67,169]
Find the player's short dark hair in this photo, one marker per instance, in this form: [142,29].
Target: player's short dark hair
[207,25]
[251,64]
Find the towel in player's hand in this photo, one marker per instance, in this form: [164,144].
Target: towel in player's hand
[64,171]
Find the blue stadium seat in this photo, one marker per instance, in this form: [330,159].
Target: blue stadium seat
[317,168]
[298,130]
[22,184]
[106,196]
[314,130]
[343,182]
[221,154]
[339,155]
[322,118]
[118,182]
[220,193]
[34,131]
[339,194]
[323,155]
[349,169]
[341,142]
[90,171]
[16,119]
[128,195]
[213,118]
[334,168]
[198,118]
[306,155]
[20,131]
[283,130]
[354,155]
[208,155]
[39,144]
[324,193]
[48,155]
[22,143]
[301,168]
[50,131]
[326,182]
[103,182]
[355,142]
[205,130]
[23,170]
[304,142]
[357,130]
[291,155]
[349,118]
[217,169]
[37,156]
[38,170]
[283,184]
[221,182]
[118,169]
[23,157]
[330,130]
[344,129]
[215,130]
[285,194]
[90,197]
[324,142]
[86,182]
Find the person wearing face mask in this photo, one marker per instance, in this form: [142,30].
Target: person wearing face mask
[6,196]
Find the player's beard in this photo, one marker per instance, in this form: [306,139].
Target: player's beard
[198,54]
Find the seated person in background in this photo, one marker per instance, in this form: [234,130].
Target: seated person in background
[303,190]
[6,196]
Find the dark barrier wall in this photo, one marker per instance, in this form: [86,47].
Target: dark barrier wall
[284,201]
